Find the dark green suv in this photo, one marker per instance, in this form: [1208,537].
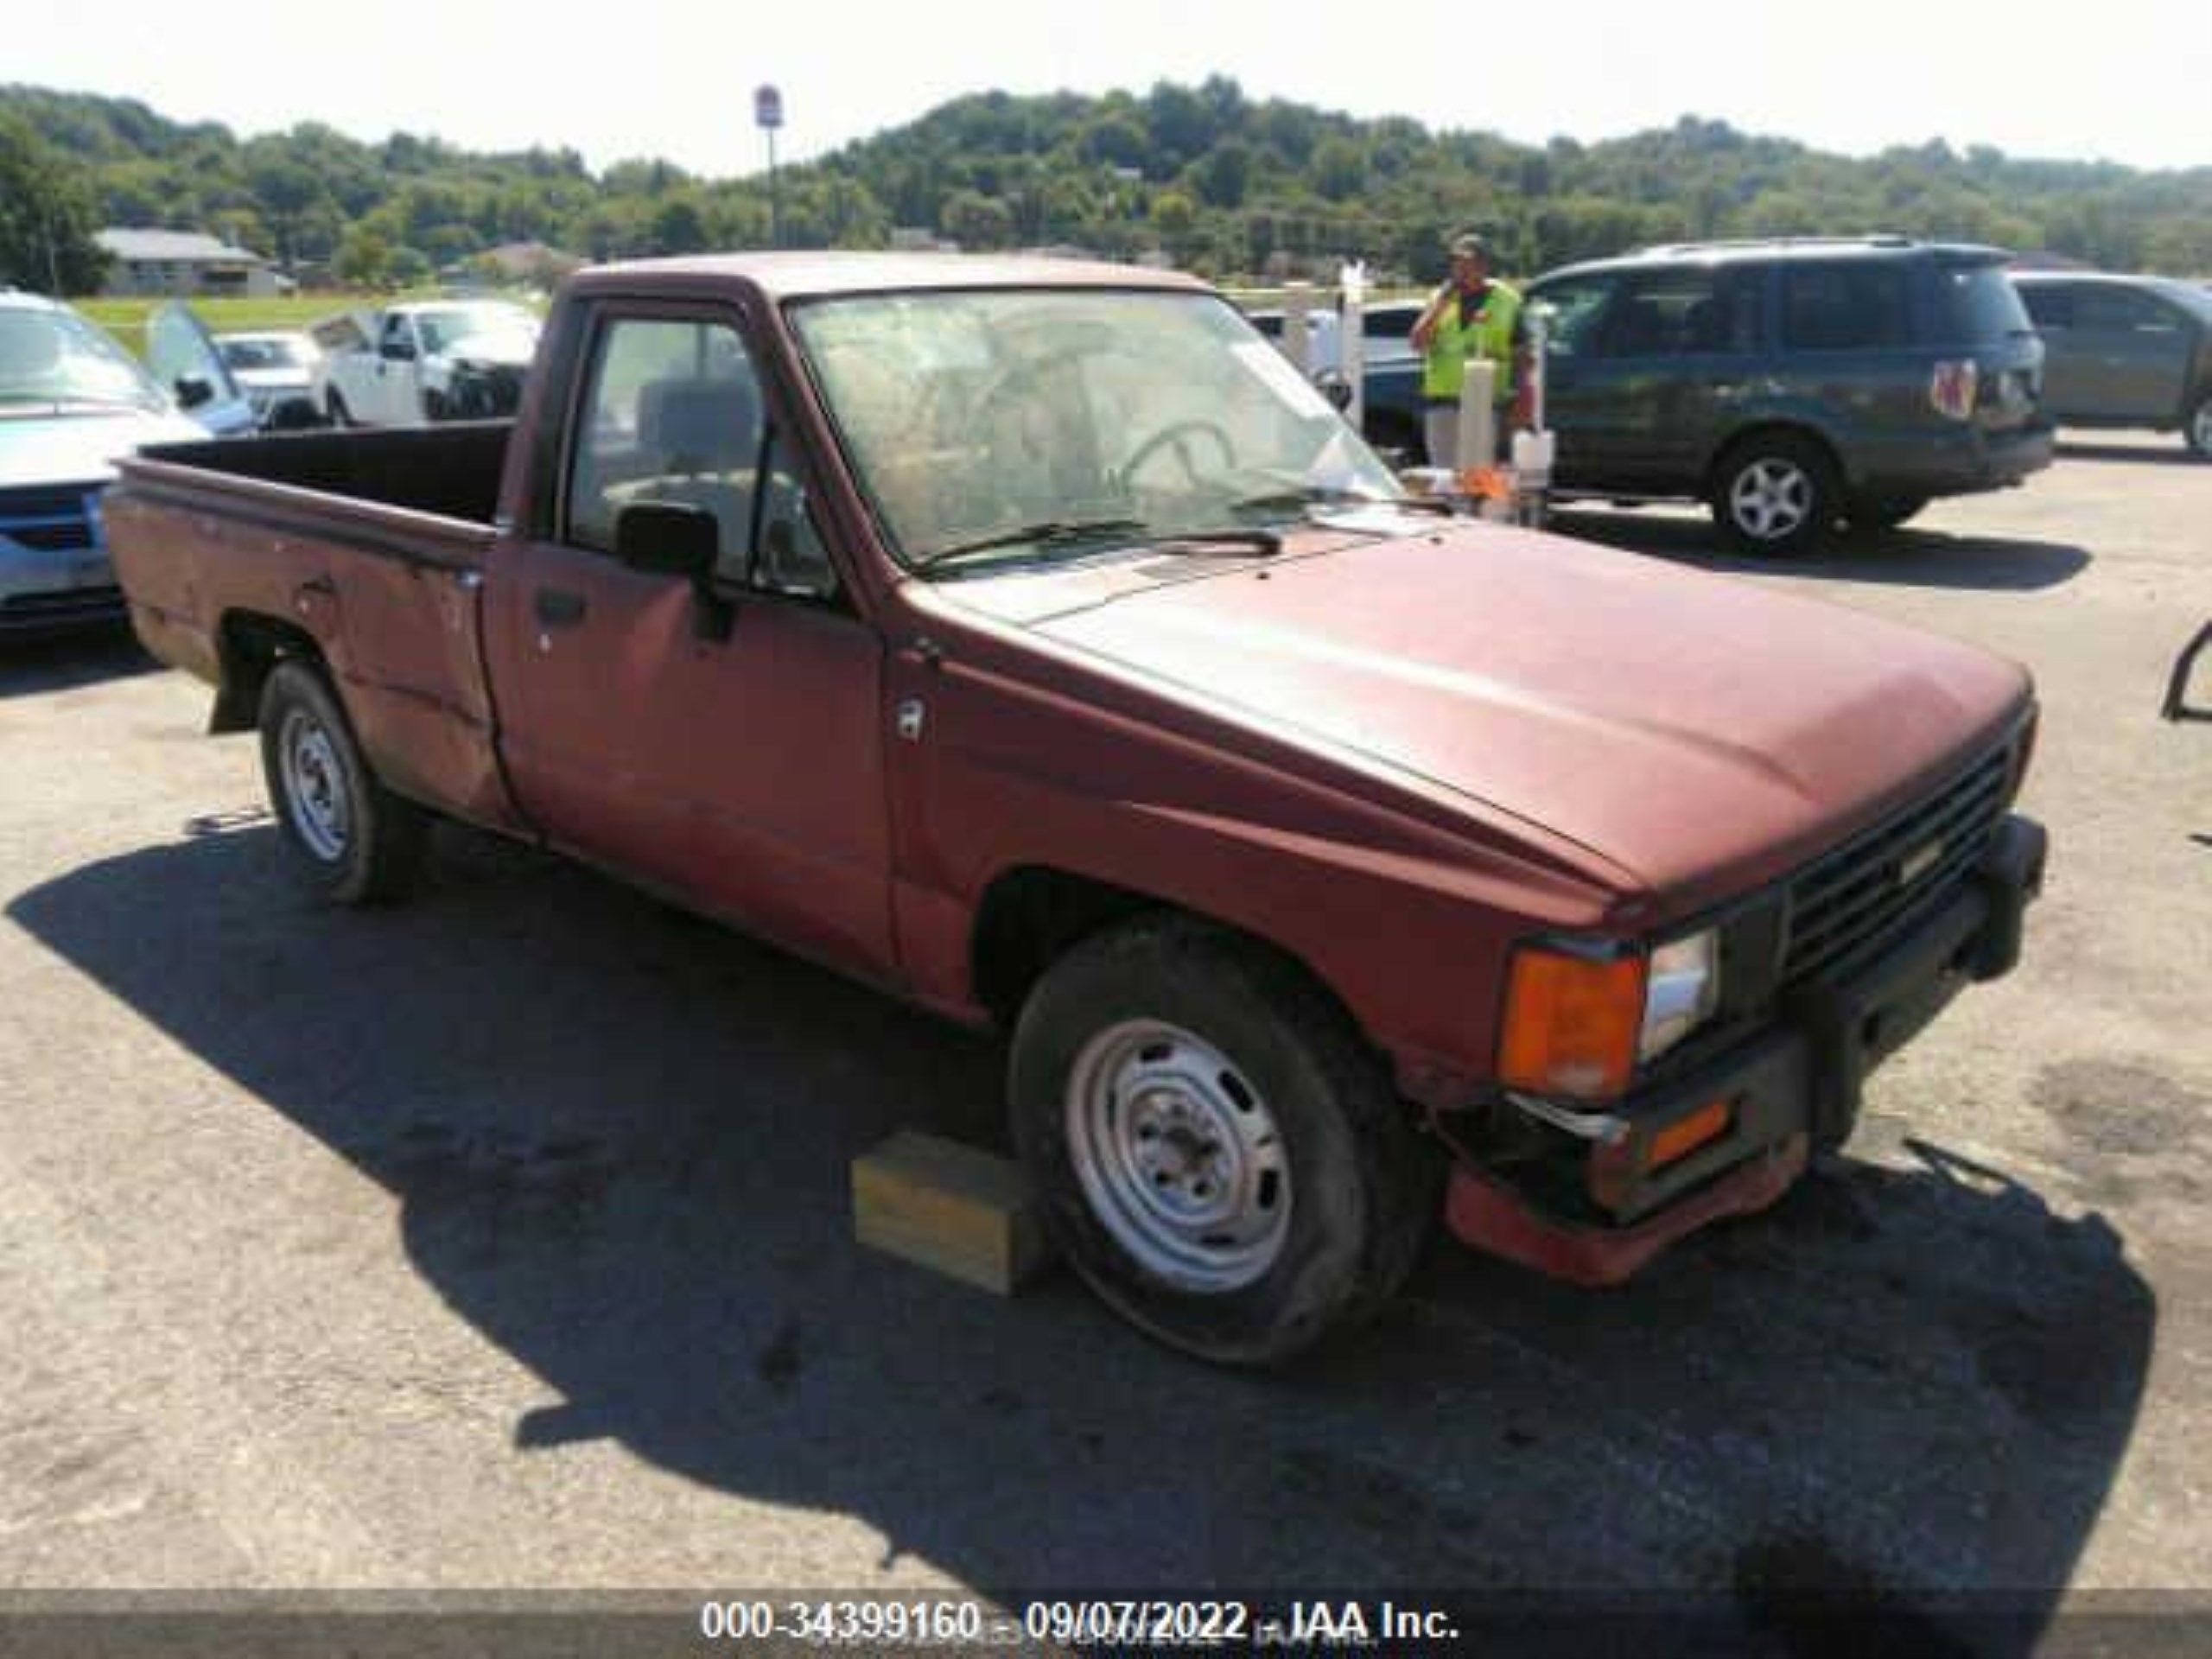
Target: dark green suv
[1794,384]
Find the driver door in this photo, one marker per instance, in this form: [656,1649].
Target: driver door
[395,382]
[724,742]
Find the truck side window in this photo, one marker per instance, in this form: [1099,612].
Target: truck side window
[672,414]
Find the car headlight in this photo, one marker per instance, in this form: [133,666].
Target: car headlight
[1579,1018]
[1680,993]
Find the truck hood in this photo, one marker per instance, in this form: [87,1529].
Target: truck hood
[81,449]
[286,380]
[501,350]
[1701,733]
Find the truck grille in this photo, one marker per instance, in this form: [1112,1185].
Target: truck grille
[50,519]
[1880,882]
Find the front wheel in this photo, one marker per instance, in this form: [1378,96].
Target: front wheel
[1774,493]
[352,840]
[1217,1153]
[2199,430]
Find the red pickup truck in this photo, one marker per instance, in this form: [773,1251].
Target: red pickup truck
[1029,640]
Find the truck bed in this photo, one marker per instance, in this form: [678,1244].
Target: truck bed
[450,472]
[369,545]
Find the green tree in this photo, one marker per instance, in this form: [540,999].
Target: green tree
[976,221]
[1340,169]
[1222,176]
[363,257]
[46,218]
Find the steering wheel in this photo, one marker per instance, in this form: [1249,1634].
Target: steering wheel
[1179,434]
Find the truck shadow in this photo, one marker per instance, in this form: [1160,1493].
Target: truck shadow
[619,1141]
[1907,557]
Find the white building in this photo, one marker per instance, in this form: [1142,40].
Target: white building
[183,263]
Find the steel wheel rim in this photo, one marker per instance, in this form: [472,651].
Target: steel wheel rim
[314,786]
[1770,499]
[1178,1156]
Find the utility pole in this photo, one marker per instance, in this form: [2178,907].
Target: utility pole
[768,115]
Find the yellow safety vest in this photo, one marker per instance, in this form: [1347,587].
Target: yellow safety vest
[1444,371]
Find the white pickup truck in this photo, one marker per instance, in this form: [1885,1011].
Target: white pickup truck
[425,361]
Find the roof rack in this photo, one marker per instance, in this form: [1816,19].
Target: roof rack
[1877,240]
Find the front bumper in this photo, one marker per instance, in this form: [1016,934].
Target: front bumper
[45,592]
[1795,1086]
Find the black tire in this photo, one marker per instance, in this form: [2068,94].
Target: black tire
[376,852]
[1812,487]
[2197,431]
[1361,1183]
[334,406]
[1873,517]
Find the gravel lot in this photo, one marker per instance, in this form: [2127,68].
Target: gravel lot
[501,1240]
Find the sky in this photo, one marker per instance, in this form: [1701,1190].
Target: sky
[2126,80]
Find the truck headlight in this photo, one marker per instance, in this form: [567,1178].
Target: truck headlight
[1581,1018]
[1680,991]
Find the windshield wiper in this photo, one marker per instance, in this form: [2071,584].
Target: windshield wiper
[1047,532]
[1265,542]
[1322,495]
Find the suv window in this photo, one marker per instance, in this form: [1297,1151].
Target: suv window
[1980,303]
[2051,304]
[1863,305]
[2120,310]
[1578,307]
[1694,310]
[672,413]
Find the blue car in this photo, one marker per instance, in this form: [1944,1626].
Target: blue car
[71,401]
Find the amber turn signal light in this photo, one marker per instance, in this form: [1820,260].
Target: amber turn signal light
[1571,1023]
[1686,1135]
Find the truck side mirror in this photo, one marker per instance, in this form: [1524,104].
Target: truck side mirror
[398,351]
[1334,387]
[668,538]
[192,392]
[672,538]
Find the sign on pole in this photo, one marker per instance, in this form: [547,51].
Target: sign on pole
[767,108]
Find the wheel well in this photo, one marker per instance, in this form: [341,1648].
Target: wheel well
[1813,436]
[251,645]
[1029,918]
[1032,916]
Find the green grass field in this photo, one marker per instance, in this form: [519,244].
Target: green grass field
[127,318]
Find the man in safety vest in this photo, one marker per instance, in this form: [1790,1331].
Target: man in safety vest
[1472,315]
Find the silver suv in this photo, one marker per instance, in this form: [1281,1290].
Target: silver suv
[2124,351]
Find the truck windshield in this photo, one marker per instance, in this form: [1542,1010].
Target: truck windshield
[970,416]
[447,327]
[56,357]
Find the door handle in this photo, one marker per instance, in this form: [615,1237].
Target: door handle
[559,608]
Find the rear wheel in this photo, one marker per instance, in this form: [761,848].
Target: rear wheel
[352,839]
[1218,1153]
[1774,493]
[2199,430]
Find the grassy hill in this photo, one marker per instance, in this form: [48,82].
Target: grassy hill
[1229,185]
